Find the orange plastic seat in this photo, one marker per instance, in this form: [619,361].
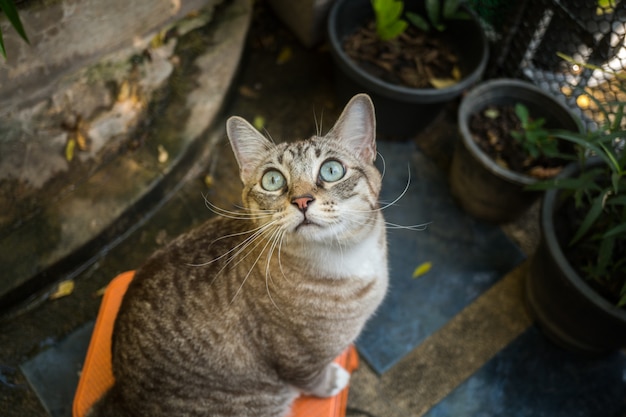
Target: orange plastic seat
[96,377]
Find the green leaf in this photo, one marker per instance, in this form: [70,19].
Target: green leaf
[605,254]
[617,201]
[622,300]
[584,143]
[378,5]
[522,113]
[450,7]
[10,11]
[418,21]
[393,11]
[388,22]
[387,11]
[393,30]
[560,183]
[433,12]
[622,159]
[617,230]
[2,50]
[591,217]
[460,15]
[615,178]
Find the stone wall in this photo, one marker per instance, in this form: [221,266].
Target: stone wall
[69,34]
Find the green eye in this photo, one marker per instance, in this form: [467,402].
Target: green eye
[332,171]
[272,180]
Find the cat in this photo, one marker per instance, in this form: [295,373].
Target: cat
[246,312]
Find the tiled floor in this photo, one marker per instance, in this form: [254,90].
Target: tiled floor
[456,341]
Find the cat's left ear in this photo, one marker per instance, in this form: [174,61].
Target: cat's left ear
[248,144]
[356,127]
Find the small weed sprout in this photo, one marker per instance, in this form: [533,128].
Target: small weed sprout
[389,22]
[533,137]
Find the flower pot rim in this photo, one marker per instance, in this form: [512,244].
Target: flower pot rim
[468,107]
[548,208]
[423,95]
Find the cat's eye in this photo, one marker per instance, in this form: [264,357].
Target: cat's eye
[332,171]
[272,180]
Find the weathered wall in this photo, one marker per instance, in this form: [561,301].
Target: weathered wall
[69,34]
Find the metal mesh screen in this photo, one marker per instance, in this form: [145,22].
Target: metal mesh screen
[573,48]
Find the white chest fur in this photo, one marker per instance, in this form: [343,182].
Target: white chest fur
[367,258]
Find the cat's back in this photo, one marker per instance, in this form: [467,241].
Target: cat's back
[182,288]
[179,330]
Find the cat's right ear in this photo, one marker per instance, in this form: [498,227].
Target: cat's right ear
[248,145]
[356,127]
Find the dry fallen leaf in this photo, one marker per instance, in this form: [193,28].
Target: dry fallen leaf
[440,83]
[422,269]
[100,292]
[456,73]
[259,122]
[124,92]
[63,289]
[543,172]
[69,148]
[208,180]
[248,92]
[81,140]
[285,55]
[491,113]
[163,155]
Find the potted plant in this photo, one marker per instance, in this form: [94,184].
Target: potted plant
[504,147]
[576,283]
[370,37]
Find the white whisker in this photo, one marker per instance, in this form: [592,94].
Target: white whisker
[251,267]
[280,264]
[268,275]
[256,214]
[318,127]
[382,158]
[414,227]
[255,232]
[406,188]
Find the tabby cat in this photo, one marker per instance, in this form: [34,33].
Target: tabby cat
[248,311]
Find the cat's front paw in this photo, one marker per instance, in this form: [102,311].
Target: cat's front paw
[337,379]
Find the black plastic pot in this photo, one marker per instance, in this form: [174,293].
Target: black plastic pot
[402,111]
[566,308]
[483,188]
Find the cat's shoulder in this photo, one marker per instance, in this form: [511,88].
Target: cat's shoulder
[213,236]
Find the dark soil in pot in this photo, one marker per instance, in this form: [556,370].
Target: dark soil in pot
[491,130]
[484,186]
[402,111]
[416,59]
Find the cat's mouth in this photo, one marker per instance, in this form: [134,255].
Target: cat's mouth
[306,223]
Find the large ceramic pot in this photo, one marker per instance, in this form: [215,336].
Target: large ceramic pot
[402,111]
[482,187]
[567,309]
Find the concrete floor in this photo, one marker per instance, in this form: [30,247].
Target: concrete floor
[486,360]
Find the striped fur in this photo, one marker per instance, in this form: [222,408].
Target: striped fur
[241,315]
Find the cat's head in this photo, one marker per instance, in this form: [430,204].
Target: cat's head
[324,189]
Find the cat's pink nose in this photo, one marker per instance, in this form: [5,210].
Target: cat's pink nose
[303,201]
